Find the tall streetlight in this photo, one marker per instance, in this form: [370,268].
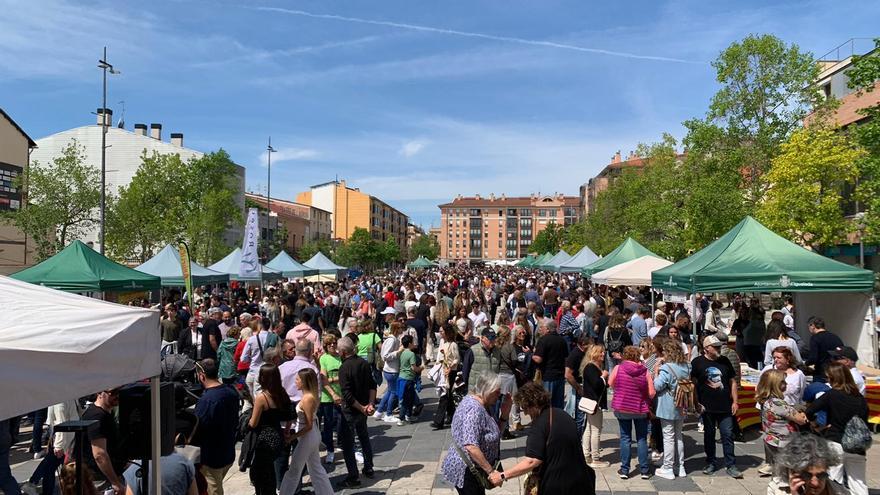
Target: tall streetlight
[269,151]
[104,66]
[860,223]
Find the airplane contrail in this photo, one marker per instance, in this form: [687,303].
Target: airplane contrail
[468,34]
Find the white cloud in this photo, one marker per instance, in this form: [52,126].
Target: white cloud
[289,155]
[412,148]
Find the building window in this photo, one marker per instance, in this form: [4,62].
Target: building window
[499,243]
[526,222]
[511,223]
[525,212]
[475,212]
[542,212]
[450,242]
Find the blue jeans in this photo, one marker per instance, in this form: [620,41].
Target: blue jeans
[557,392]
[7,481]
[724,423]
[389,400]
[580,417]
[329,414]
[406,390]
[641,427]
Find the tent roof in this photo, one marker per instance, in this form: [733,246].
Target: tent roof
[555,261]
[752,258]
[323,264]
[421,262]
[525,261]
[581,259]
[63,346]
[633,272]
[166,265]
[231,264]
[628,250]
[289,267]
[540,260]
[79,268]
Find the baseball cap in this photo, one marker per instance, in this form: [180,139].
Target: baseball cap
[388,311]
[847,352]
[489,333]
[712,341]
[722,337]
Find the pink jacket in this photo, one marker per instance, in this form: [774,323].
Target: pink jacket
[631,394]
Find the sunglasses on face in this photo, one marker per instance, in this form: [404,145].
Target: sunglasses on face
[807,476]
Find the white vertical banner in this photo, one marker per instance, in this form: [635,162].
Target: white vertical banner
[250,265]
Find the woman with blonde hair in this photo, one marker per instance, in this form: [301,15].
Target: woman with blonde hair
[595,385]
[306,451]
[672,367]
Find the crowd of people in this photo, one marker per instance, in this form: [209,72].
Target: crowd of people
[299,366]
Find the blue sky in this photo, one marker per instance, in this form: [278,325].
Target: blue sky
[411,101]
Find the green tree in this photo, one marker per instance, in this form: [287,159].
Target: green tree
[62,201]
[807,180]
[863,76]
[147,213]
[311,248]
[209,205]
[359,250]
[548,240]
[424,245]
[389,252]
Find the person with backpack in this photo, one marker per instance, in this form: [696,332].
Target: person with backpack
[847,416]
[616,338]
[675,399]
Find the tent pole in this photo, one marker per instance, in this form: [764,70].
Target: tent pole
[155,473]
[873,328]
[694,316]
[653,304]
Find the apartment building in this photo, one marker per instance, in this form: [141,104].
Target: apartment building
[303,223]
[590,191]
[16,146]
[833,82]
[478,228]
[350,208]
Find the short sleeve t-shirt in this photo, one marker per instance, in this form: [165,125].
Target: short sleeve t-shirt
[712,379]
[407,361]
[574,362]
[563,468]
[366,346]
[107,429]
[330,366]
[553,349]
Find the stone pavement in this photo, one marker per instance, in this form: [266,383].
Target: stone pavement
[408,460]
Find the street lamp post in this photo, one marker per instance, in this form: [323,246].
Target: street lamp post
[104,66]
[860,218]
[269,151]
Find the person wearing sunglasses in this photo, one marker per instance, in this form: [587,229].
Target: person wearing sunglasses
[804,462]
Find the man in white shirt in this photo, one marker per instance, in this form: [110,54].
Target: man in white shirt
[253,354]
[847,356]
[788,313]
[478,317]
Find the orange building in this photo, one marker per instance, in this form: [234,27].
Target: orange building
[833,82]
[304,223]
[590,191]
[350,208]
[480,228]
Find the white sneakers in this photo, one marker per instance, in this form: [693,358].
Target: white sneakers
[681,472]
[389,419]
[664,473]
[331,456]
[377,415]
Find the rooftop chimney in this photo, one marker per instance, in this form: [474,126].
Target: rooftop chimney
[105,115]
[477,197]
[616,158]
[156,131]
[140,129]
[491,196]
[177,139]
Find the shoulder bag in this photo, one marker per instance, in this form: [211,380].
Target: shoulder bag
[481,476]
[534,479]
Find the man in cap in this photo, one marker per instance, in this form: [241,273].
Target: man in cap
[715,381]
[847,356]
[480,358]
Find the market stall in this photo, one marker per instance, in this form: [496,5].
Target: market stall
[555,261]
[327,270]
[231,265]
[628,250]
[421,263]
[634,273]
[289,267]
[166,265]
[577,262]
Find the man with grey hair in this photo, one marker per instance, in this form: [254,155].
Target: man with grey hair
[302,360]
[550,355]
[358,395]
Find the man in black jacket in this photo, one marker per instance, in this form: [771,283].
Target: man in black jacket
[358,396]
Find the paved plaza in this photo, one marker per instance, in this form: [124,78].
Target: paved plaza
[408,460]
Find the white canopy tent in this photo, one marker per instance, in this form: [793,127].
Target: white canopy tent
[60,346]
[634,272]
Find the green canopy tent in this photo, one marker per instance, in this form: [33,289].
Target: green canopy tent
[752,258]
[166,265]
[525,262]
[79,268]
[628,250]
[289,267]
[421,263]
[555,261]
[541,259]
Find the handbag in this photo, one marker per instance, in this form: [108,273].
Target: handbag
[587,405]
[534,479]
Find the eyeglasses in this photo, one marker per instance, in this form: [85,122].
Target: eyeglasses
[807,476]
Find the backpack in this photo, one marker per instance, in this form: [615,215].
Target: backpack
[685,399]
[856,437]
